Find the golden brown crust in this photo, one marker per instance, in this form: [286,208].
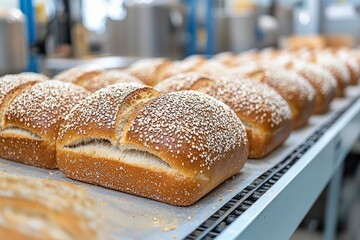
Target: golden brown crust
[12,86]
[211,67]
[339,71]
[158,185]
[336,67]
[42,108]
[265,113]
[177,159]
[99,113]
[226,58]
[31,151]
[296,90]
[43,209]
[189,64]
[346,56]
[298,93]
[184,81]
[33,119]
[322,81]
[79,74]
[32,76]
[150,71]
[108,78]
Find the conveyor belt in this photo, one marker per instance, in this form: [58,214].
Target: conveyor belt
[227,214]
[131,217]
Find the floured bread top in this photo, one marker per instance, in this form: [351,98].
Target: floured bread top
[108,78]
[76,73]
[150,71]
[338,68]
[41,108]
[10,82]
[318,74]
[33,75]
[188,64]
[98,111]
[292,84]
[184,81]
[212,67]
[252,100]
[189,126]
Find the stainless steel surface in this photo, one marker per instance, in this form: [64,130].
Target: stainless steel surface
[332,204]
[279,211]
[53,66]
[13,44]
[276,213]
[149,29]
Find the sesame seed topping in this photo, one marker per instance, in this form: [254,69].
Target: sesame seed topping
[44,105]
[99,109]
[247,97]
[177,121]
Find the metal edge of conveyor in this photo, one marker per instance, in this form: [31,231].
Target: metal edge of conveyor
[234,208]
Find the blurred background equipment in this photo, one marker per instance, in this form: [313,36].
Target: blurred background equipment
[121,31]
[13,46]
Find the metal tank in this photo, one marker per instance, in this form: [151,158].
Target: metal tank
[13,44]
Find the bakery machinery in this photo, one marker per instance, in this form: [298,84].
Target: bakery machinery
[13,44]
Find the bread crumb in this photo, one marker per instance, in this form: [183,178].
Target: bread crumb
[170,228]
[221,197]
[155,219]
[230,189]
[188,218]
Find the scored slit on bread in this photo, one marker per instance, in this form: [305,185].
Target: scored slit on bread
[103,141]
[20,132]
[114,148]
[32,118]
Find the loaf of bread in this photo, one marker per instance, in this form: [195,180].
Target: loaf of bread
[44,209]
[150,71]
[211,67]
[30,76]
[173,148]
[265,114]
[229,59]
[188,64]
[31,118]
[320,79]
[351,63]
[335,66]
[108,78]
[79,74]
[296,90]
[338,69]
